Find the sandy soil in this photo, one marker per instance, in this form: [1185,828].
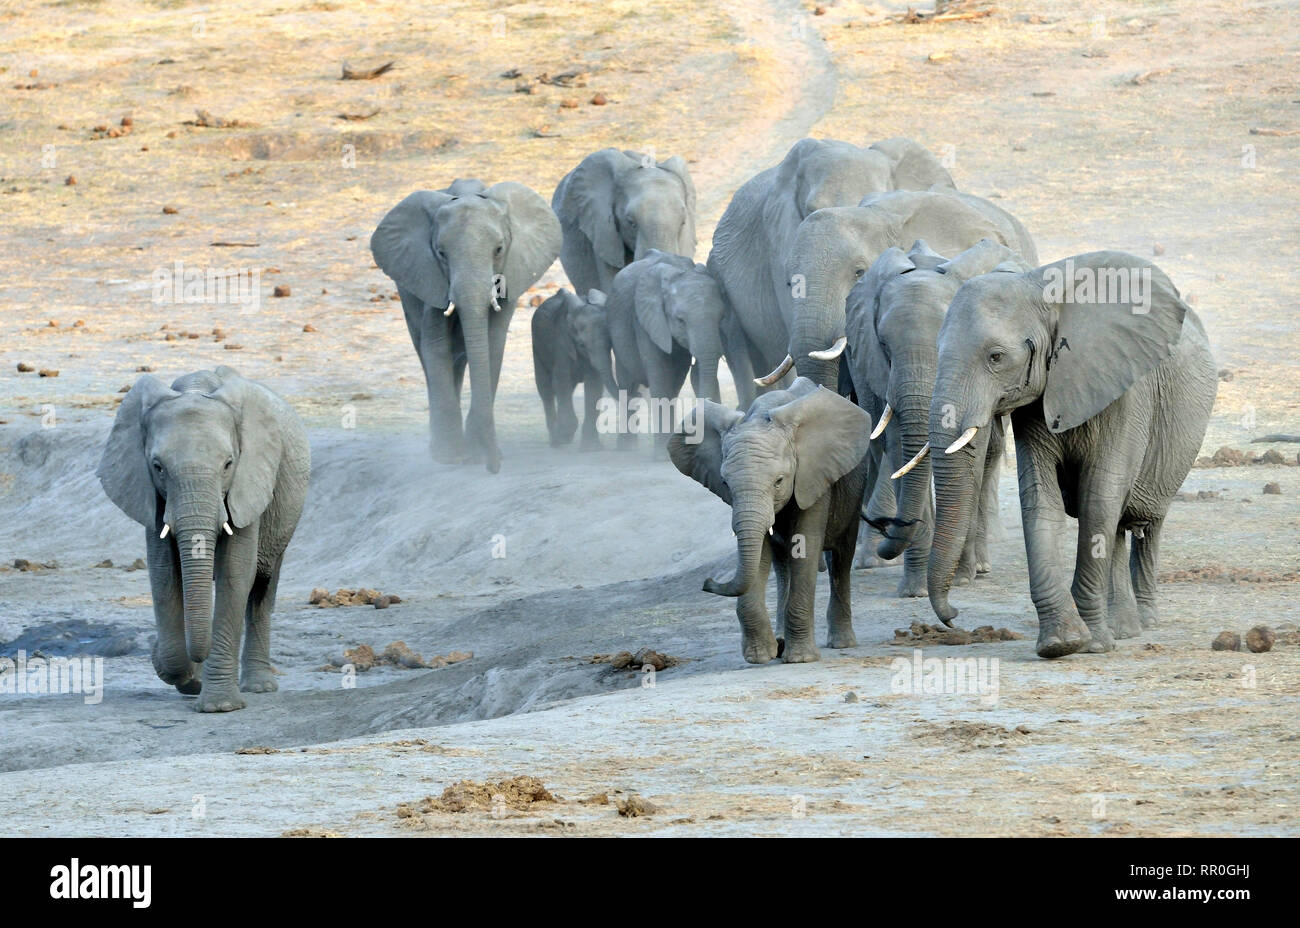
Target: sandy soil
[605,552]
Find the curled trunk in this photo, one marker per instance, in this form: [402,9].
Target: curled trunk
[750,519]
[955,503]
[911,423]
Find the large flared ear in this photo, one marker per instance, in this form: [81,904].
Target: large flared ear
[676,166]
[260,416]
[535,236]
[830,437]
[696,447]
[1116,318]
[123,470]
[983,257]
[585,198]
[402,244]
[651,304]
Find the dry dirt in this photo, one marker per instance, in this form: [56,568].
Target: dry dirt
[1163,129]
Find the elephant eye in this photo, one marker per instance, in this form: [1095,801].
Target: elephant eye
[779,481]
[995,357]
[859,272]
[229,463]
[499,249]
[157,465]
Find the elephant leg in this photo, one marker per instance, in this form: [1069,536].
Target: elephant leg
[256,674]
[1121,607]
[806,551]
[171,659]
[880,503]
[413,313]
[735,347]
[781,567]
[839,609]
[757,642]
[235,573]
[1042,511]
[566,420]
[916,557]
[1142,569]
[547,393]
[1098,526]
[591,391]
[986,515]
[661,373]
[436,353]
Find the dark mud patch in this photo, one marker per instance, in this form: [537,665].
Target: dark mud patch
[75,638]
[318,146]
[920,633]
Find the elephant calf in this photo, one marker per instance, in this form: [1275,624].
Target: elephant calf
[215,468]
[571,347]
[793,468]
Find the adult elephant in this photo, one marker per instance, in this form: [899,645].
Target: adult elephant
[617,205]
[892,321]
[833,248]
[461,258]
[756,232]
[666,318]
[1108,378]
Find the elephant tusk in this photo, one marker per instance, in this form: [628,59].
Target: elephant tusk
[225,526]
[496,305]
[451,308]
[962,442]
[166,528]
[884,421]
[781,370]
[831,353]
[907,468]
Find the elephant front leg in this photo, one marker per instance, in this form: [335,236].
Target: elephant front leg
[1142,569]
[171,659]
[916,557]
[256,674]
[1042,512]
[1121,607]
[758,644]
[1092,576]
[236,568]
[566,421]
[591,391]
[436,354]
[839,610]
[805,555]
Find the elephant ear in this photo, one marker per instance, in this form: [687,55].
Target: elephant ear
[597,297]
[260,427]
[585,198]
[402,244]
[830,436]
[676,166]
[862,319]
[696,448]
[983,257]
[123,470]
[913,166]
[1117,317]
[535,236]
[651,305]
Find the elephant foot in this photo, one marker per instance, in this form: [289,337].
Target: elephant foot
[179,675]
[190,687]
[982,567]
[841,638]
[1124,623]
[760,650]
[913,586]
[1102,638]
[1066,636]
[220,699]
[800,652]
[1147,615]
[259,680]
[868,559]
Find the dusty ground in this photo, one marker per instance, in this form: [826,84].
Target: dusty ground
[1129,134]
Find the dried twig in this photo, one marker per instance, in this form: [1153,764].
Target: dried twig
[352,74]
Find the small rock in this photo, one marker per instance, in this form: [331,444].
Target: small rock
[381,602]
[850,696]
[50,372]
[568,104]
[170,210]
[137,564]
[25,368]
[1271,456]
[105,563]
[1225,375]
[599,100]
[1157,249]
[635,806]
[71,181]
[1227,641]
[1260,639]
[318,596]
[127,121]
[1270,489]
[281,290]
[309,328]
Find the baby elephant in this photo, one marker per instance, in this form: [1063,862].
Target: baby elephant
[215,468]
[571,347]
[793,469]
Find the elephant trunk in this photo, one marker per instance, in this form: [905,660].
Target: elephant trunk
[955,478]
[911,423]
[197,509]
[708,378]
[474,307]
[750,519]
[817,327]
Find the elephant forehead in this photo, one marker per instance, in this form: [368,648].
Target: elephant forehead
[757,440]
[192,421]
[470,212]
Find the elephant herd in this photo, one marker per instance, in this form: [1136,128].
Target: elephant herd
[897,327]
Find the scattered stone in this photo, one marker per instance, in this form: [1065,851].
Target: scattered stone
[360,597]
[26,566]
[635,807]
[1226,641]
[258,749]
[1271,456]
[70,181]
[281,290]
[381,602]
[1225,375]
[599,799]
[1260,639]
[309,328]
[170,210]
[25,368]
[599,100]
[850,696]
[137,564]
[568,103]
[396,654]
[47,372]
[105,563]
[1272,489]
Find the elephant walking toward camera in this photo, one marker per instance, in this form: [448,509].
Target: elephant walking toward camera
[793,469]
[571,347]
[893,318]
[461,258]
[617,205]
[215,468]
[1109,381]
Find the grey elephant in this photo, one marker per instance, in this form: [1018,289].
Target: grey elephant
[793,469]
[617,205]
[756,232]
[833,249]
[215,468]
[893,317]
[571,347]
[461,258]
[1108,378]
[666,318]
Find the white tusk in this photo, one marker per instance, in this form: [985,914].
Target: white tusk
[962,442]
[496,306]
[451,308]
[781,370]
[227,529]
[884,421]
[166,528]
[907,468]
[831,353]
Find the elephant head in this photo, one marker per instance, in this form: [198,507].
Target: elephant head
[470,250]
[588,330]
[190,462]
[893,318]
[791,446]
[624,203]
[834,248]
[677,302]
[1073,336]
